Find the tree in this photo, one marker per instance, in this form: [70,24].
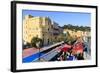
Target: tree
[36,40]
[72,27]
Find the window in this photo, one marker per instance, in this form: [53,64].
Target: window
[43,35]
[36,35]
[36,28]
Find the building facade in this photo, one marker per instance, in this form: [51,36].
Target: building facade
[78,34]
[41,27]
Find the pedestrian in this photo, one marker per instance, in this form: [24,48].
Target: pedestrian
[80,56]
[70,56]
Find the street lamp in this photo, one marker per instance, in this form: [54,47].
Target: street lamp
[38,46]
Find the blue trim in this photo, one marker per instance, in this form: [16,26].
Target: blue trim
[31,58]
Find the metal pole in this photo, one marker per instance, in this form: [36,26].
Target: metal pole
[39,54]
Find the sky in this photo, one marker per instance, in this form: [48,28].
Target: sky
[62,18]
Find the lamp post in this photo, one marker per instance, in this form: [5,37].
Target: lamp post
[38,46]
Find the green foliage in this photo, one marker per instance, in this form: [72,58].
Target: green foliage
[76,28]
[35,40]
[68,38]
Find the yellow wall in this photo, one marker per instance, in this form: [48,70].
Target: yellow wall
[78,33]
[40,27]
[31,28]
